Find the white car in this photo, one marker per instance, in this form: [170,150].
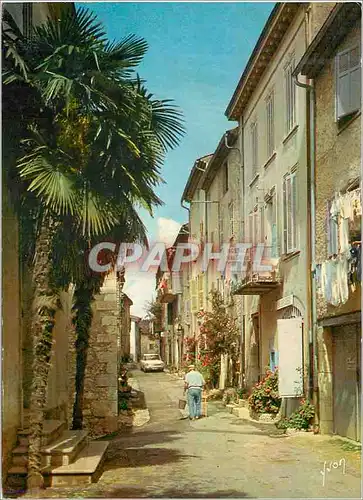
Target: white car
[152,363]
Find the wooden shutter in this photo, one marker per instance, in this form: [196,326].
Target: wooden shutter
[254,147]
[250,228]
[270,125]
[200,291]
[231,219]
[293,212]
[284,208]
[288,215]
[355,79]
[194,296]
[262,226]
[348,82]
[274,243]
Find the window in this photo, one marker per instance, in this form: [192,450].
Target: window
[254,149]
[290,97]
[290,213]
[231,219]
[221,225]
[270,125]
[348,82]
[255,228]
[200,281]
[271,219]
[225,178]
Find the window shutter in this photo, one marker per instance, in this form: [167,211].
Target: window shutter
[356,82]
[284,215]
[262,226]
[194,304]
[200,291]
[256,228]
[288,214]
[250,228]
[343,85]
[293,213]
[348,82]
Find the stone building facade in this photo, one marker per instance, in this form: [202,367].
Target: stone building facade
[16,297]
[332,63]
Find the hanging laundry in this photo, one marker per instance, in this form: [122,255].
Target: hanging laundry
[319,289]
[335,207]
[344,235]
[342,278]
[324,281]
[356,203]
[335,292]
[353,264]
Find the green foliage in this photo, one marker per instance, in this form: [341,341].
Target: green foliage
[123,405]
[218,335]
[264,397]
[242,393]
[93,139]
[301,418]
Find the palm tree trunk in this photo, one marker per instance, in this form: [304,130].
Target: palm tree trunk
[44,307]
[83,320]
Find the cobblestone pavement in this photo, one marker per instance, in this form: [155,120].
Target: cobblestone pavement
[218,456]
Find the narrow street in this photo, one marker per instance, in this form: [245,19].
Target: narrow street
[219,456]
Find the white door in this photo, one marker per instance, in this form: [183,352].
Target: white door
[290,348]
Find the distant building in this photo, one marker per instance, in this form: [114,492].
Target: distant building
[135,338]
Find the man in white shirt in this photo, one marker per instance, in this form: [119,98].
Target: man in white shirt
[194,383]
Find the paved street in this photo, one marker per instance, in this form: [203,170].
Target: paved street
[219,456]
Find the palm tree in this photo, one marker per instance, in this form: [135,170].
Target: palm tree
[91,152]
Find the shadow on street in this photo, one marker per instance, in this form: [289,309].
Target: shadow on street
[171,493]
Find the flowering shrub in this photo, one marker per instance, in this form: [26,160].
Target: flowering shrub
[301,418]
[189,351]
[264,397]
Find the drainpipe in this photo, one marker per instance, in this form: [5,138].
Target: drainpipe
[241,209]
[311,194]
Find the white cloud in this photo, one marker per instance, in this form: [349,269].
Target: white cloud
[167,230]
[140,286]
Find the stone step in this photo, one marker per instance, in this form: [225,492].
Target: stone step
[16,480]
[86,469]
[60,452]
[243,403]
[64,450]
[52,429]
[241,412]
[230,407]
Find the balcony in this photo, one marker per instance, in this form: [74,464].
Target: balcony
[254,280]
[165,294]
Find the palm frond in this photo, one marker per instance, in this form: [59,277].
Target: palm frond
[49,179]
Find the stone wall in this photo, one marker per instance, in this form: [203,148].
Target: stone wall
[100,397]
[11,406]
[338,161]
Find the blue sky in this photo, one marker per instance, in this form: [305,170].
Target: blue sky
[197,52]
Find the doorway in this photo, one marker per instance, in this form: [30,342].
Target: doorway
[347,380]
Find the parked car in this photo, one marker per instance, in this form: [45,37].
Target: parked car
[152,363]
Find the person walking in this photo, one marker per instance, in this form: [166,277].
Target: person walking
[193,385]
